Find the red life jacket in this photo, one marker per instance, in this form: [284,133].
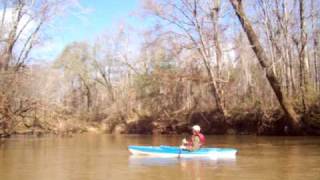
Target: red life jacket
[201,137]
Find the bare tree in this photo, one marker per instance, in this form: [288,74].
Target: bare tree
[75,60]
[302,55]
[104,71]
[191,18]
[21,25]
[315,43]
[265,64]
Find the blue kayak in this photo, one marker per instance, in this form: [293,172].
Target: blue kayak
[173,151]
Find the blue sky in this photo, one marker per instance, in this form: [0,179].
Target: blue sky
[104,14]
[99,16]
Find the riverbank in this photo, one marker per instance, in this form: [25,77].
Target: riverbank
[238,122]
[254,122]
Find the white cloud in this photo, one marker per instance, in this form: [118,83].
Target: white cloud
[48,50]
[25,28]
[26,22]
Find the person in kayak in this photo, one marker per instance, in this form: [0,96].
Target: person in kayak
[196,142]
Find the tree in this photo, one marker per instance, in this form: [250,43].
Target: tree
[21,23]
[302,55]
[75,60]
[266,65]
[188,20]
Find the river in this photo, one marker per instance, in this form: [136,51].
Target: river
[102,157]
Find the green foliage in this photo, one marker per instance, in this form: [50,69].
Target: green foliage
[146,86]
[75,60]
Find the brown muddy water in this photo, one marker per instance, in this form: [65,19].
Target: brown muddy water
[102,157]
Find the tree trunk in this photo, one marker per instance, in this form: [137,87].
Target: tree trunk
[11,41]
[302,55]
[315,46]
[214,18]
[205,53]
[316,69]
[293,86]
[294,120]
[214,91]
[216,88]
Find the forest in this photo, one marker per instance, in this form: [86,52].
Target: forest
[233,67]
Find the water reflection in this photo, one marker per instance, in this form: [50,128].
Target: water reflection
[102,157]
[193,168]
[167,161]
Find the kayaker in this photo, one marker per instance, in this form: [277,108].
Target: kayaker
[196,142]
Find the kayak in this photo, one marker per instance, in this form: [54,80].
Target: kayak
[173,151]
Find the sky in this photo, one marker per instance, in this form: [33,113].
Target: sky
[96,17]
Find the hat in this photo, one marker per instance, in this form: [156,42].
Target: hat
[196,128]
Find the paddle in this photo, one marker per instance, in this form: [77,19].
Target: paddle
[180,148]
